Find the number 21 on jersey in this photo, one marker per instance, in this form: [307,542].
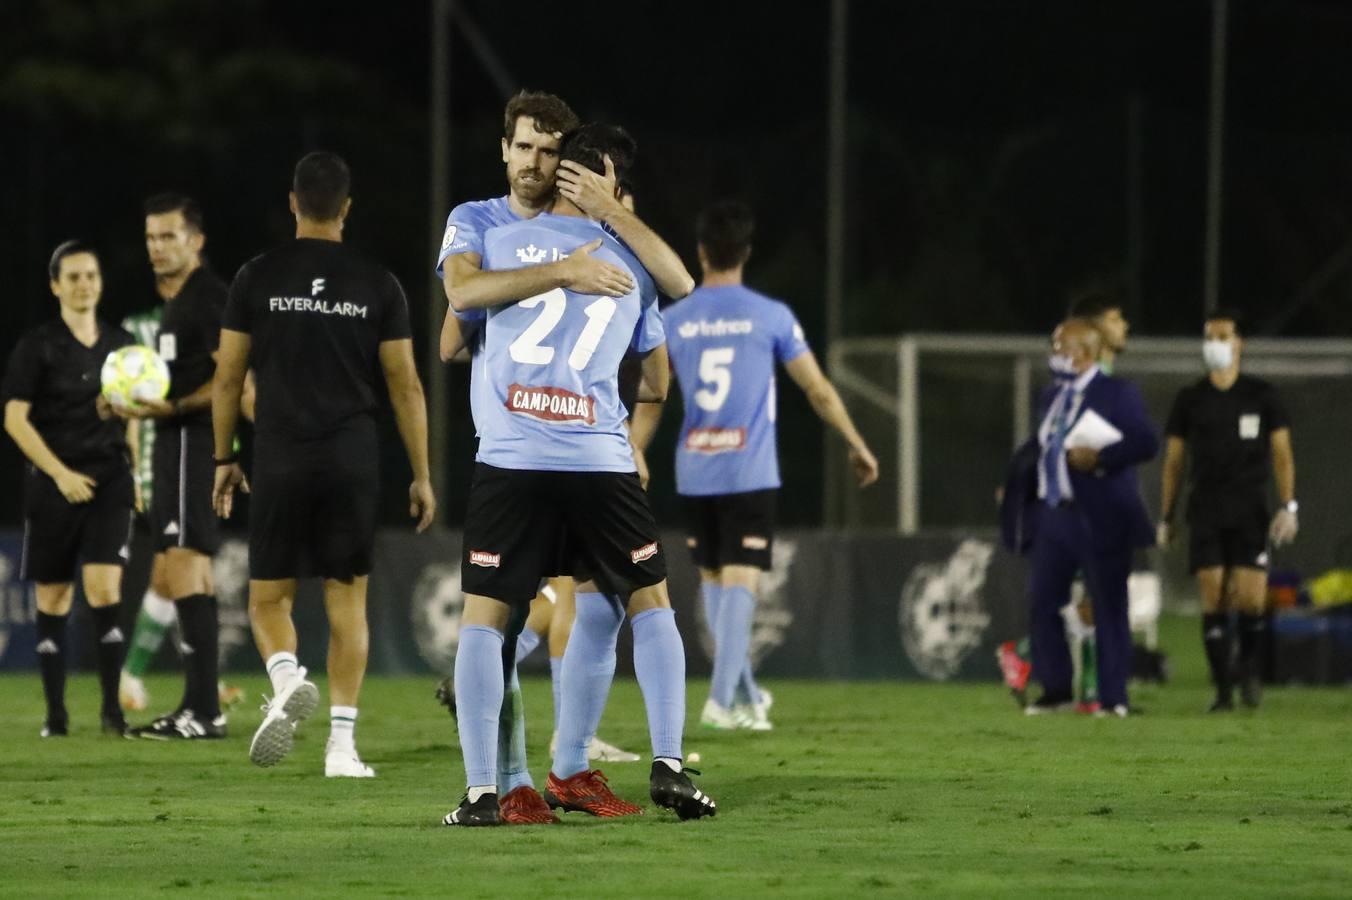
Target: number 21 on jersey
[528,348]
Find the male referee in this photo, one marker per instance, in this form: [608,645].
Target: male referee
[1234,431]
[322,327]
[175,237]
[185,531]
[77,484]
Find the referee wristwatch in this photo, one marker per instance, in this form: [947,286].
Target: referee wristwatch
[1291,506]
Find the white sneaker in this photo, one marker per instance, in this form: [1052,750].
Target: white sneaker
[131,693]
[603,752]
[759,713]
[275,737]
[599,750]
[343,762]
[1120,711]
[722,718]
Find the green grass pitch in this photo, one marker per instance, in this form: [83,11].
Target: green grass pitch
[863,789]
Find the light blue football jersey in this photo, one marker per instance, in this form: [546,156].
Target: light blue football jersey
[544,386]
[465,229]
[724,342]
[468,223]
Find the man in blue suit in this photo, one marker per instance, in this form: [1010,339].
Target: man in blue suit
[1086,516]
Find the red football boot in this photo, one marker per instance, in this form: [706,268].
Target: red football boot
[525,806]
[588,792]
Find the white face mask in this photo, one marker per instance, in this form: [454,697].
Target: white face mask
[1062,366]
[1218,354]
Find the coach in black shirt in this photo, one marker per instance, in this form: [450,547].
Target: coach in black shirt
[1236,434]
[322,328]
[78,492]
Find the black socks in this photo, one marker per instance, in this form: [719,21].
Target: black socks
[1251,630]
[197,623]
[1216,639]
[52,662]
[112,649]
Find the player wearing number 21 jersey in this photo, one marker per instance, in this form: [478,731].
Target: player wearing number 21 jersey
[556,492]
[544,387]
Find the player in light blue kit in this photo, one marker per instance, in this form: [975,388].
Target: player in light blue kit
[556,491]
[724,341]
[533,125]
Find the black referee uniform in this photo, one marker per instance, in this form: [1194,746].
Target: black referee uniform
[58,377]
[1229,440]
[1228,435]
[190,330]
[317,313]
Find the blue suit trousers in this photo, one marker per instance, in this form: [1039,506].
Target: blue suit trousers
[1062,548]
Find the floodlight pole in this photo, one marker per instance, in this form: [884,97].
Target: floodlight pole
[1211,284]
[439,180]
[836,137]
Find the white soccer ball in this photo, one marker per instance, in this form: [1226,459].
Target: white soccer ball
[134,374]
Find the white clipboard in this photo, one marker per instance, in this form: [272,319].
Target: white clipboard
[1092,431]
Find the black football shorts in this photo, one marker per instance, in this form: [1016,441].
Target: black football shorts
[525,525]
[59,536]
[731,529]
[312,504]
[184,474]
[1238,543]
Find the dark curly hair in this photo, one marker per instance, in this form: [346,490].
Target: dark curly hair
[551,114]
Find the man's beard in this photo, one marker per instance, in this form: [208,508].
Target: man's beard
[531,190]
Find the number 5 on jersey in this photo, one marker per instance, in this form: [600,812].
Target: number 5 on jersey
[527,348]
[713,371]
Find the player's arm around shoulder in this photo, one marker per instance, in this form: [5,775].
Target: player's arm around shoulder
[595,195]
[469,286]
[410,415]
[826,402]
[662,262]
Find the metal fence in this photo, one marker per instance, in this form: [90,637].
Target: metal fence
[943,411]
